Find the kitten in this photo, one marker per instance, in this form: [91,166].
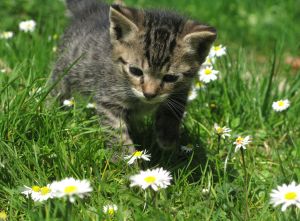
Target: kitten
[132,62]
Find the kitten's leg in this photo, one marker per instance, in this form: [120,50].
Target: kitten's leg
[114,117]
[60,81]
[168,121]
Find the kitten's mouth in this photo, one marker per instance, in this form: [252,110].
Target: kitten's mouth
[141,97]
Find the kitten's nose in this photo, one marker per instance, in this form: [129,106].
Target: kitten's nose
[149,96]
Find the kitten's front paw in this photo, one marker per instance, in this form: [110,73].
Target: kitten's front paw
[167,141]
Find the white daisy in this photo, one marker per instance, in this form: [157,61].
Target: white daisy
[241,142]
[54,49]
[208,74]
[199,85]
[281,105]
[157,179]
[188,148]
[3,71]
[209,61]
[193,94]
[205,191]
[222,131]
[44,194]
[138,155]
[286,195]
[38,193]
[69,103]
[110,209]
[6,35]
[70,188]
[29,190]
[27,26]
[91,105]
[217,51]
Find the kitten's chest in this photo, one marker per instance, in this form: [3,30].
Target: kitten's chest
[139,110]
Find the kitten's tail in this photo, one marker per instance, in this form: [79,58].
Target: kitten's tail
[78,7]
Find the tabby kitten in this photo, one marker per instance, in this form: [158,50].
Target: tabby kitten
[132,62]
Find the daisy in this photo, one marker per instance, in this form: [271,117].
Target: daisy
[27,26]
[208,74]
[157,179]
[91,105]
[217,51]
[193,94]
[69,103]
[3,71]
[54,49]
[199,85]
[188,148]
[44,194]
[137,155]
[38,193]
[205,191]
[70,188]
[110,209]
[241,142]
[286,195]
[29,190]
[209,61]
[281,105]
[222,131]
[6,35]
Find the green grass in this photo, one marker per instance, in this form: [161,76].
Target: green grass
[39,145]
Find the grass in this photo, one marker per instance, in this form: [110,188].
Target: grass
[39,145]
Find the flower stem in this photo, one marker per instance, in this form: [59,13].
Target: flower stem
[219,143]
[246,214]
[155,199]
[68,211]
[145,204]
[294,213]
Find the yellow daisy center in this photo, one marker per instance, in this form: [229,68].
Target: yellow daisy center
[111,211]
[45,190]
[35,188]
[280,103]
[199,84]
[70,189]
[138,154]
[290,196]
[219,130]
[239,140]
[150,179]
[3,215]
[189,146]
[208,71]
[217,48]
[213,105]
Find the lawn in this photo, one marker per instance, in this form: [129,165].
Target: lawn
[42,143]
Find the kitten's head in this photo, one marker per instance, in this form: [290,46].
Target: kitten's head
[158,52]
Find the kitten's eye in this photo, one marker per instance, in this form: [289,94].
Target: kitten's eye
[170,78]
[136,71]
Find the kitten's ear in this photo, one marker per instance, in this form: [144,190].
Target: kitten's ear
[198,37]
[124,22]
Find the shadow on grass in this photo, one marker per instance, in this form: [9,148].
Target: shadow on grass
[175,160]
